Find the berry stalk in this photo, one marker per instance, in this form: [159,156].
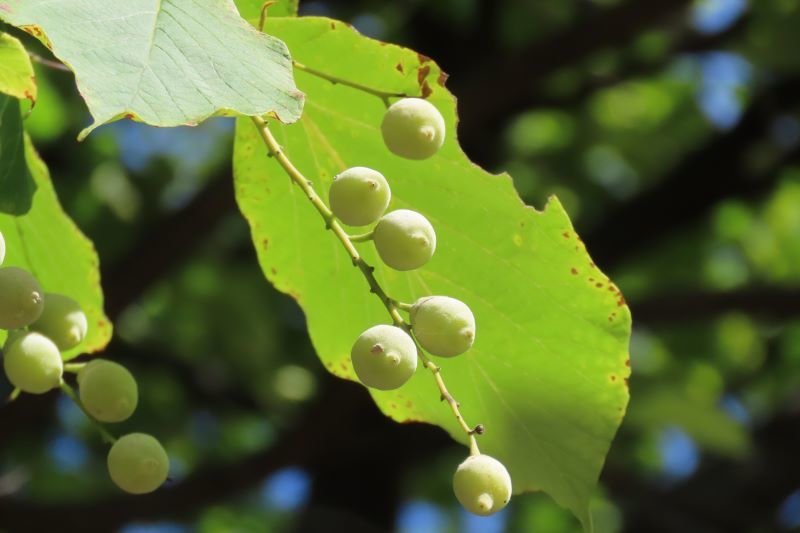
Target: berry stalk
[367,270]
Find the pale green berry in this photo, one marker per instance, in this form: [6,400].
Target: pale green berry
[2,248]
[62,320]
[33,363]
[413,128]
[405,240]
[359,196]
[384,357]
[443,326]
[482,485]
[107,390]
[137,463]
[21,298]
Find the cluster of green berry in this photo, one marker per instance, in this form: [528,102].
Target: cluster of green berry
[384,357]
[42,325]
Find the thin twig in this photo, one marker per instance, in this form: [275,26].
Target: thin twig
[48,63]
[69,391]
[383,95]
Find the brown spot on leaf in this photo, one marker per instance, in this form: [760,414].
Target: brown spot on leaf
[409,405]
[566,234]
[333,25]
[393,405]
[599,285]
[274,272]
[426,89]
[422,73]
[265,244]
[574,271]
[591,264]
[613,377]
[628,363]
[626,381]
[442,79]
[399,68]
[423,58]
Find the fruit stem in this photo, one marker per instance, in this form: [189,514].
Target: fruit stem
[74,367]
[404,306]
[14,395]
[383,95]
[69,391]
[391,305]
[362,237]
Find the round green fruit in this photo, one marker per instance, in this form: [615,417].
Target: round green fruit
[384,357]
[137,463]
[62,320]
[359,196]
[21,298]
[482,485]
[443,326]
[107,390]
[33,363]
[413,128]
[405,240]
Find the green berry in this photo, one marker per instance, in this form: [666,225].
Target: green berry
[2,248]
[405,240]
[444,326]
[482,485]
[21,298]
[62,320]
[107,390]
[359,196]
[384,357]
[33,363]
[413,128]
[138,463]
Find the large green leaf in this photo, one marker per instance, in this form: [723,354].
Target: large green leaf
[16,185]
[47,243]
[16,71]
[163,62]
[547,374]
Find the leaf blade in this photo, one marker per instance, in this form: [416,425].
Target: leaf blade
[47,243]
[165,63]
[547,374]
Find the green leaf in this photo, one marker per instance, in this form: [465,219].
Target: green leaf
[168,63]
[547,374]
[48,244]
[16,185]
[16,71]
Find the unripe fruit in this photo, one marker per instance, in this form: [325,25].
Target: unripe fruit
[63,321]
[359,196]
[107,390]
[21,298]
[413,128]
[405,240]
[444,326]
[2,248]
[33,363]
[482,485]
[384,357]
[138,463]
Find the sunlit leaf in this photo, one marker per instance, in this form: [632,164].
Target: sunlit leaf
[165,63]
[547,374]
